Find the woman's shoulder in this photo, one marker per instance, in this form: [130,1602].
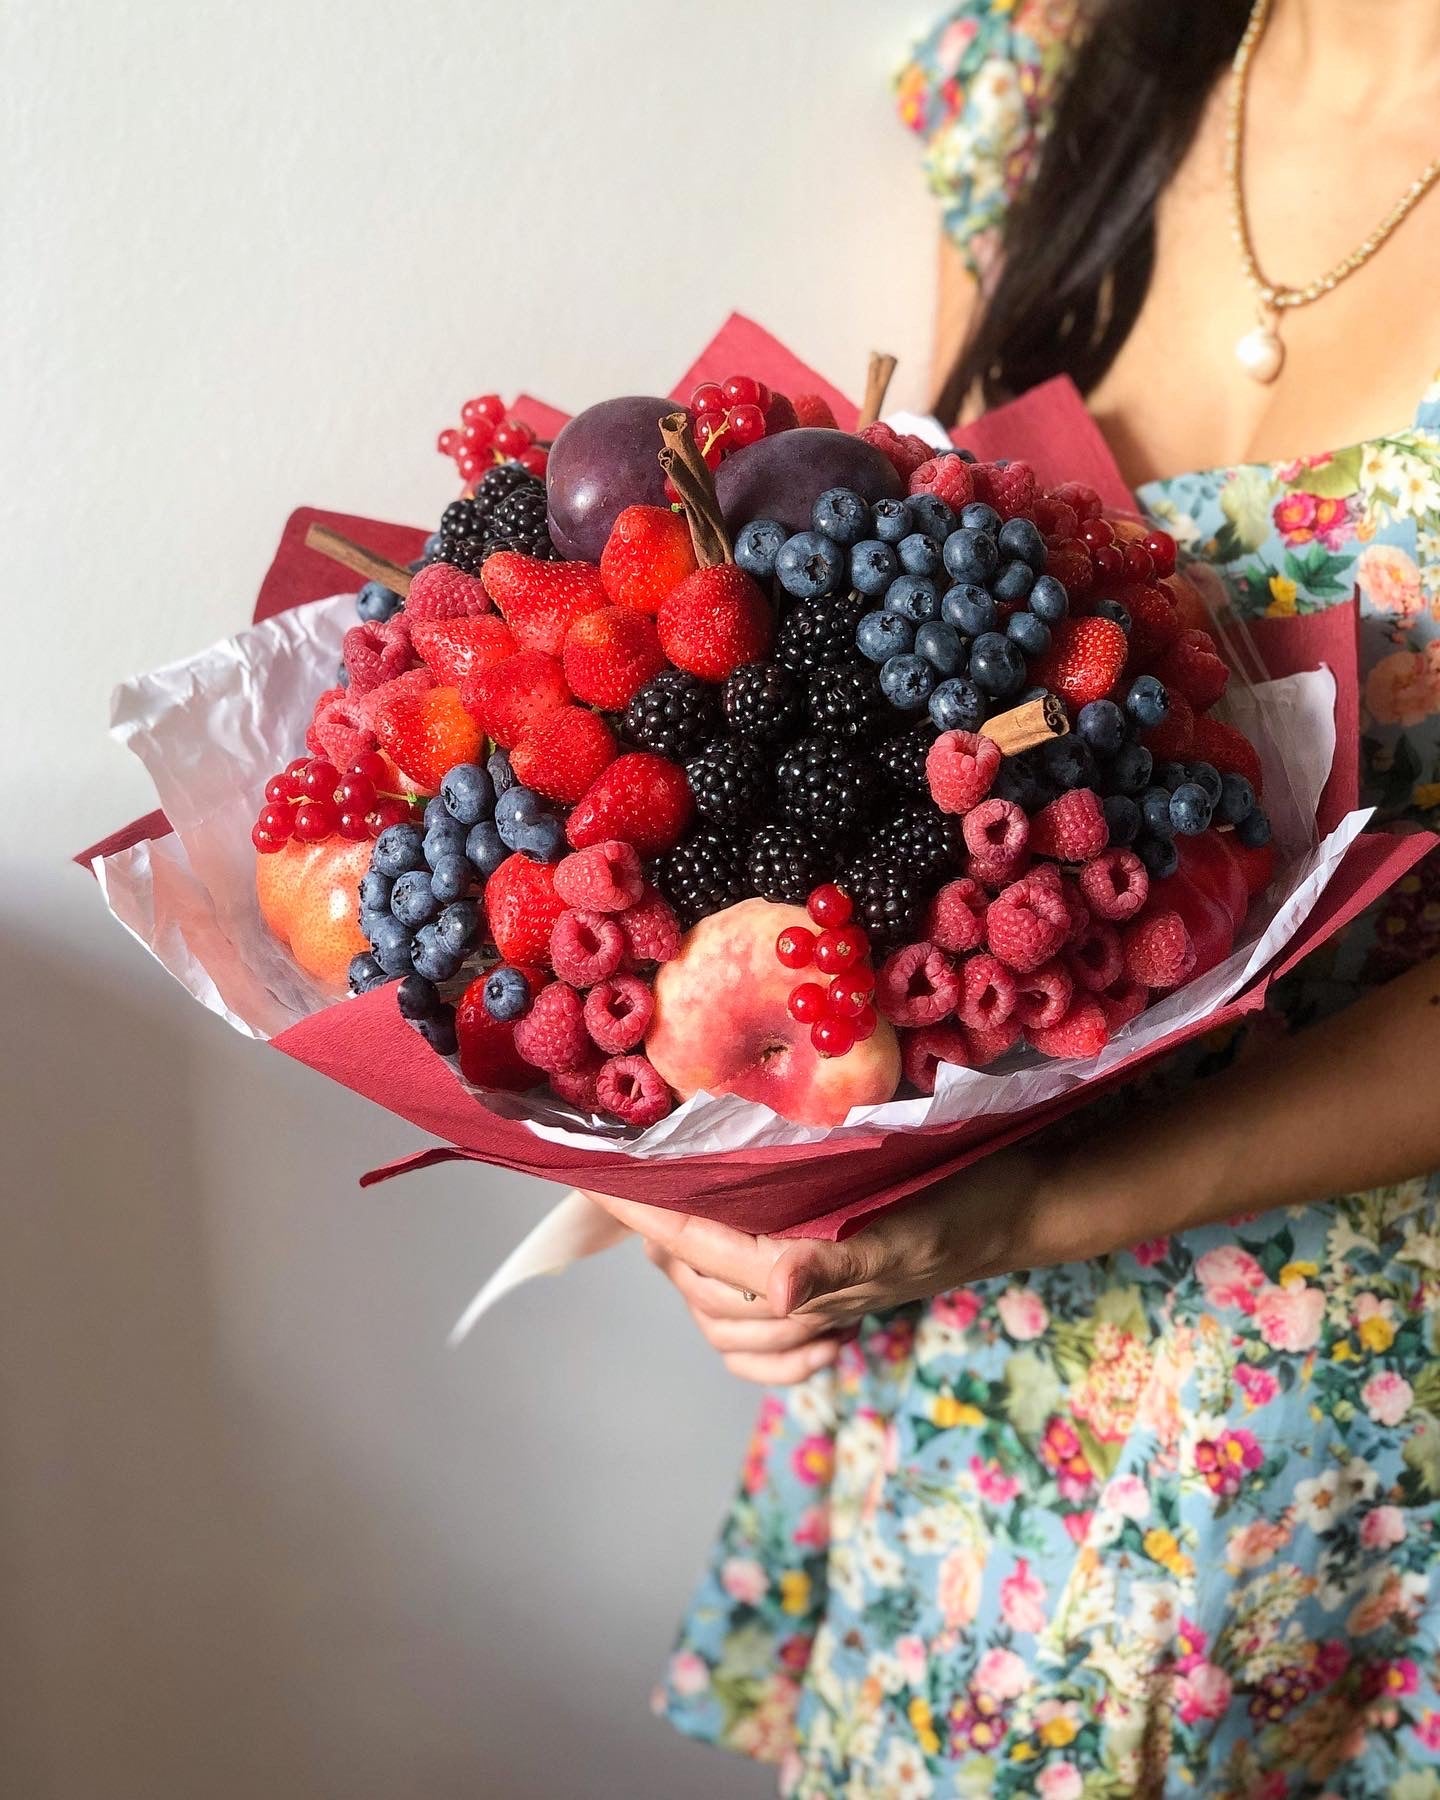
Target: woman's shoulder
[980,88]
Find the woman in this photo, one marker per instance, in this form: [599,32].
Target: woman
[1124,1498]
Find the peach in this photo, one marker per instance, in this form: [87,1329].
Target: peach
[307,895]
[721,1024]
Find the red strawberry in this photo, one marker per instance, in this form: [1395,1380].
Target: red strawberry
[455,648]
[1193,667]
[715,621]
[810,409]
[1153,624]
[610,654]
[783,414]
[641,798]
[511,697]
[648,554]
[542,600]
[427,734]
[408,686]
[441,592]
[521,907]
[1207,862]
[563,754]
[1228,749]
[1084,660]
[488,1057]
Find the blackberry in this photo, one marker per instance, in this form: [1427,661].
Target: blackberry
[460,520]
[703,875]
[819,631]
[523,513]
[674,715]
[845,698]
[730,782]
[920,838]
[823,785]
[888,897]
[762,701]
[538,546]
[902,758]
[783,864]
[504,478]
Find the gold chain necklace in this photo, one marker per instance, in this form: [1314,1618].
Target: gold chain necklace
[1260,352]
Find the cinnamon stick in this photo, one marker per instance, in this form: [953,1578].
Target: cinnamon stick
[691,478]
[1023,727]
[877,384]
[355,556]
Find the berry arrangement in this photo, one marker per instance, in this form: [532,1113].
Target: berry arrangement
[488,435]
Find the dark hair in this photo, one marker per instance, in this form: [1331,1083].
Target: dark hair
[1079,248]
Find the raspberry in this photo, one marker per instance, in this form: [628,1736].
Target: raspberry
[904,455]
[1125,1001]
[440,592]
[1055,518]
[1084,660]
[1042,996]
[609,655]
[1080,495]
[1010,490]
[1172,740]
[948,478]
[577,1086]
[1115,884]
[923,1051]
[956,916]
[993,872]
[1075,905]
[456,648]
[521,907]
[338,730]
[987,992]
[542,600]
[1159,952]
[1027,924]
[562,755]
[960,769]
[606,878]
[1072,828]
[813,410]
[618,1013]
[552,1034]
[996,831]
[631,1089]
[1069,562]
[987,1042]
[916,985]
[586,947]
[1192,667]
[648,554]
[1084,1031]
[715,621]
[1096,961]
[1153,624]
[377,652]
[651,929]
[512,697]
[641,798]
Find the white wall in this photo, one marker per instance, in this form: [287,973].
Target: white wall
[259,1532]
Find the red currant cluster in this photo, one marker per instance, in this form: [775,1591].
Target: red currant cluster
[311,800]
[1087,553]
[488,435]
[839,1014]
[729,415]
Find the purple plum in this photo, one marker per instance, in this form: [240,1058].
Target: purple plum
[605,459]
[782,477]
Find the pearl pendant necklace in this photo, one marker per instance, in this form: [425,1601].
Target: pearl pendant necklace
[1260,353]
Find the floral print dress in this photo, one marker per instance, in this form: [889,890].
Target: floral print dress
[1163,1523]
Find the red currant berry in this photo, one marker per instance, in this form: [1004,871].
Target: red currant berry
[512,437]
[1109,561]
[534,461]
[297,766]
[477,436]
[707,426]
[280,787]
[837,951]
[747,424]
[865,1023]
[264,843]
[371,766]
[672,493]
[807,1003]
[488,406]
[742,390]
[390,811]
[833,1037]
[709,397]
[277,818]
[1162,550]
[763,396]
[714,452]
[795,946]
[320,779]
[843,1001]
[354,825]
[1139,563]
[829,905]
[1097,532]
[356,793]
[314,820]
[448,442]
[471,467]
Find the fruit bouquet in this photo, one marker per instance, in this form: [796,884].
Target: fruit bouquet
[742,804]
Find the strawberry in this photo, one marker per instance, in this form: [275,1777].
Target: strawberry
[455,648]
[648,554]
[440,592]
[408,686]
[716,621]
[1084,660]
[542,600]
[1228,749]
[521,907]
[810,409]
[488,1057]
[1193,667]
[1153,624]
[641,798]
[563,753]
[1206,862]
[610,654]
[427,734]
[512,696]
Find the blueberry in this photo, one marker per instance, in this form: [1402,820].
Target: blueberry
[391,944]
[413,902]
[893,520]
[941,647]
[841,515]
[451,878]
[375,603]
[914,598]
[907,682]
[1021,784]
[485,848]
[1020,538]
[1171,775]
[873,566]
[1208,777]
[1101,725]
[439,1031]
[1190,809]
[1155,808]
[417,998]
[1253,831]
[444,840]
[1030,633]
[958,705]
[971,556]
[758,545]
[967,456]
[397,849]
[370,917]
[419,562]
[502,776]
[468,793]
[365,973]
[1237,801]
[1112,609]
[544,841]
[919,554]
[1159,856]
[997,665]
[881,635]
[506,993]
[970,609]
[809,565]
[1131,770]
[1013,584]
[436,812]
[516,809]
[977,516]
[432,546]
[432,957]
[1147,702]
[375,891]
[932,516]
[459,925]
[342,676]
[1068,762]
[1122,815]
[1049,600]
